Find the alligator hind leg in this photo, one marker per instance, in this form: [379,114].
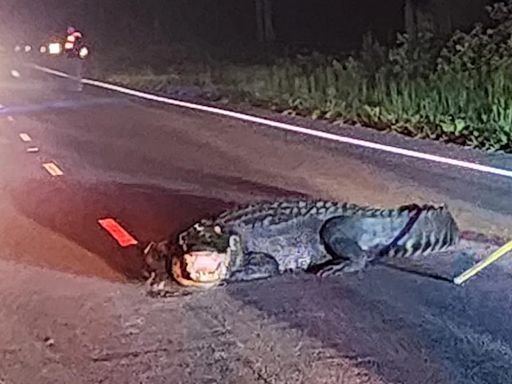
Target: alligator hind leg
[346,253]
[258,266]
[357,258]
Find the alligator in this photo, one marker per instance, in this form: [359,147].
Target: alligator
[328,238]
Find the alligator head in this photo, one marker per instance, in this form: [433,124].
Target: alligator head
[207,255]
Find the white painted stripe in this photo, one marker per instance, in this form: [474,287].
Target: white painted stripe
[51,71]
[294,128]
[53,169]
[33,149]
[25,137]
[2,106]
[10,118]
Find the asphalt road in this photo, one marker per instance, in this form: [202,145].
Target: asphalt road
[72,310]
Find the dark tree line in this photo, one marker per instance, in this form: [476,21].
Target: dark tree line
[330,22]
[265,21]
[445,16]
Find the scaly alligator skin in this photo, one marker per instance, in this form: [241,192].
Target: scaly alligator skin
[269,238]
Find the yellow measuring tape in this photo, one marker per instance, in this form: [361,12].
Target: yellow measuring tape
[482,264]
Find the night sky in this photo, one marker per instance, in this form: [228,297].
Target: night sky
[337,24]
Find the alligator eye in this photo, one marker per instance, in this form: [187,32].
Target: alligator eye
[218,230]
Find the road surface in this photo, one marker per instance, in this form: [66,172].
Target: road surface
[73,308]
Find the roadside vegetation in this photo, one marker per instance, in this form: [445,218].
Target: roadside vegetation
[457,90]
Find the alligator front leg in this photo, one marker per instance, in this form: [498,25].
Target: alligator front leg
[346,254]
[257,266]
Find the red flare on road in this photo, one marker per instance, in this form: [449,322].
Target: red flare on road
[117,232]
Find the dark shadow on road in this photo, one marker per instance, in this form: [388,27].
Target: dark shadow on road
[72,209]
[405,328]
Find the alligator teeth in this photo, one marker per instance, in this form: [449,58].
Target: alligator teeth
[189,264]
[206,276]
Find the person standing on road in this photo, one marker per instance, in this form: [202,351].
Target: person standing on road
[72,46]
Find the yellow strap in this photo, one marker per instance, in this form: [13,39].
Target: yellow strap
[482,264]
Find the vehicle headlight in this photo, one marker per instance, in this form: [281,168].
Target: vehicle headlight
[54,48]
[84,52]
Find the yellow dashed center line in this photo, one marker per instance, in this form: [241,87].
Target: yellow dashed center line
[53,169]
[25,137]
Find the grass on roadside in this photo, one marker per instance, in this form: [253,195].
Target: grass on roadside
[458,90]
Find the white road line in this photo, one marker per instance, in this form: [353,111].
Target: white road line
[25,137]
[51,71]
[33,149]
[53,169]
[294,128]
[10,118]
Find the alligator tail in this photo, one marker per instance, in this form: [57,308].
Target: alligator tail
[434,229]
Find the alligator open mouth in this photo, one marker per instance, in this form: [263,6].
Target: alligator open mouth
[201,269]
